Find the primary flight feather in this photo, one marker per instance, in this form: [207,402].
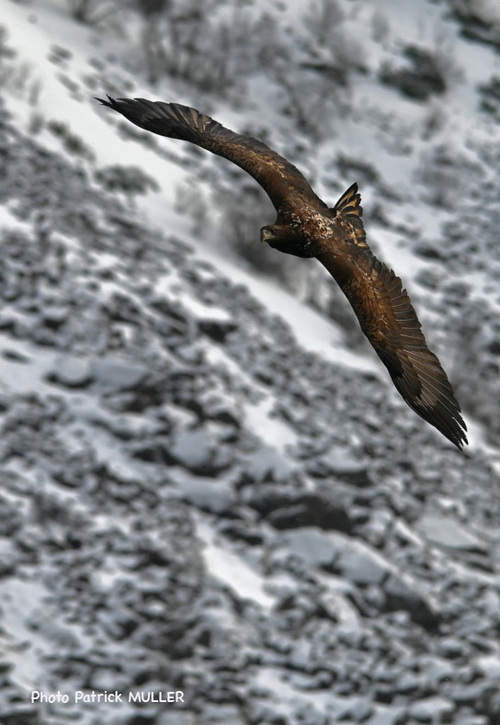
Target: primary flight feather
[306,227]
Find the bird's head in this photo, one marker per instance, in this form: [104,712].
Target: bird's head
[268,233]
[277,235]
[285,238]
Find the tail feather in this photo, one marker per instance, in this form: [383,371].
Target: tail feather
[349,207]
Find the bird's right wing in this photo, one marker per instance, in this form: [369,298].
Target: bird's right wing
[280,179]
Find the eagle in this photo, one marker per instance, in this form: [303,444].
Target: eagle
[306,226]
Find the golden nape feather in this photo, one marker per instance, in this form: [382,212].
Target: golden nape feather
[306,227]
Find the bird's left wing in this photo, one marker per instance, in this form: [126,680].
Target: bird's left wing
[390,323]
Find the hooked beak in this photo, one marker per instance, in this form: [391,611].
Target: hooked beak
[266,234]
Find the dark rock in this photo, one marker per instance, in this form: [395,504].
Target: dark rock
[422,79]
[149,393]
[489,703]
[476,23]
[218,330]
[156,451]
[308,509]
[428,251]
[243,531]
[130,180]
[287,508]
[147,716]
[15,356]
[452,648]
[122,308]
[54,317]
[472,694]
[400,594]
[19,715]
[7,323]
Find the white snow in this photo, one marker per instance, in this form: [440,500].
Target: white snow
[231,569]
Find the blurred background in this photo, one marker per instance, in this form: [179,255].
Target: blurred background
[209,483]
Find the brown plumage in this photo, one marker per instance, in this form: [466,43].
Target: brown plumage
[306,227]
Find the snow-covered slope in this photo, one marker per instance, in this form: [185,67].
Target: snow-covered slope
[208,485]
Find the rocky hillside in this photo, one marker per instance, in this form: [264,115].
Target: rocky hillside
[195,500]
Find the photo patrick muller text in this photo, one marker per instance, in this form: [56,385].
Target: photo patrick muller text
[136,696]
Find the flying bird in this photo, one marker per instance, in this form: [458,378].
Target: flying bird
[306,227]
